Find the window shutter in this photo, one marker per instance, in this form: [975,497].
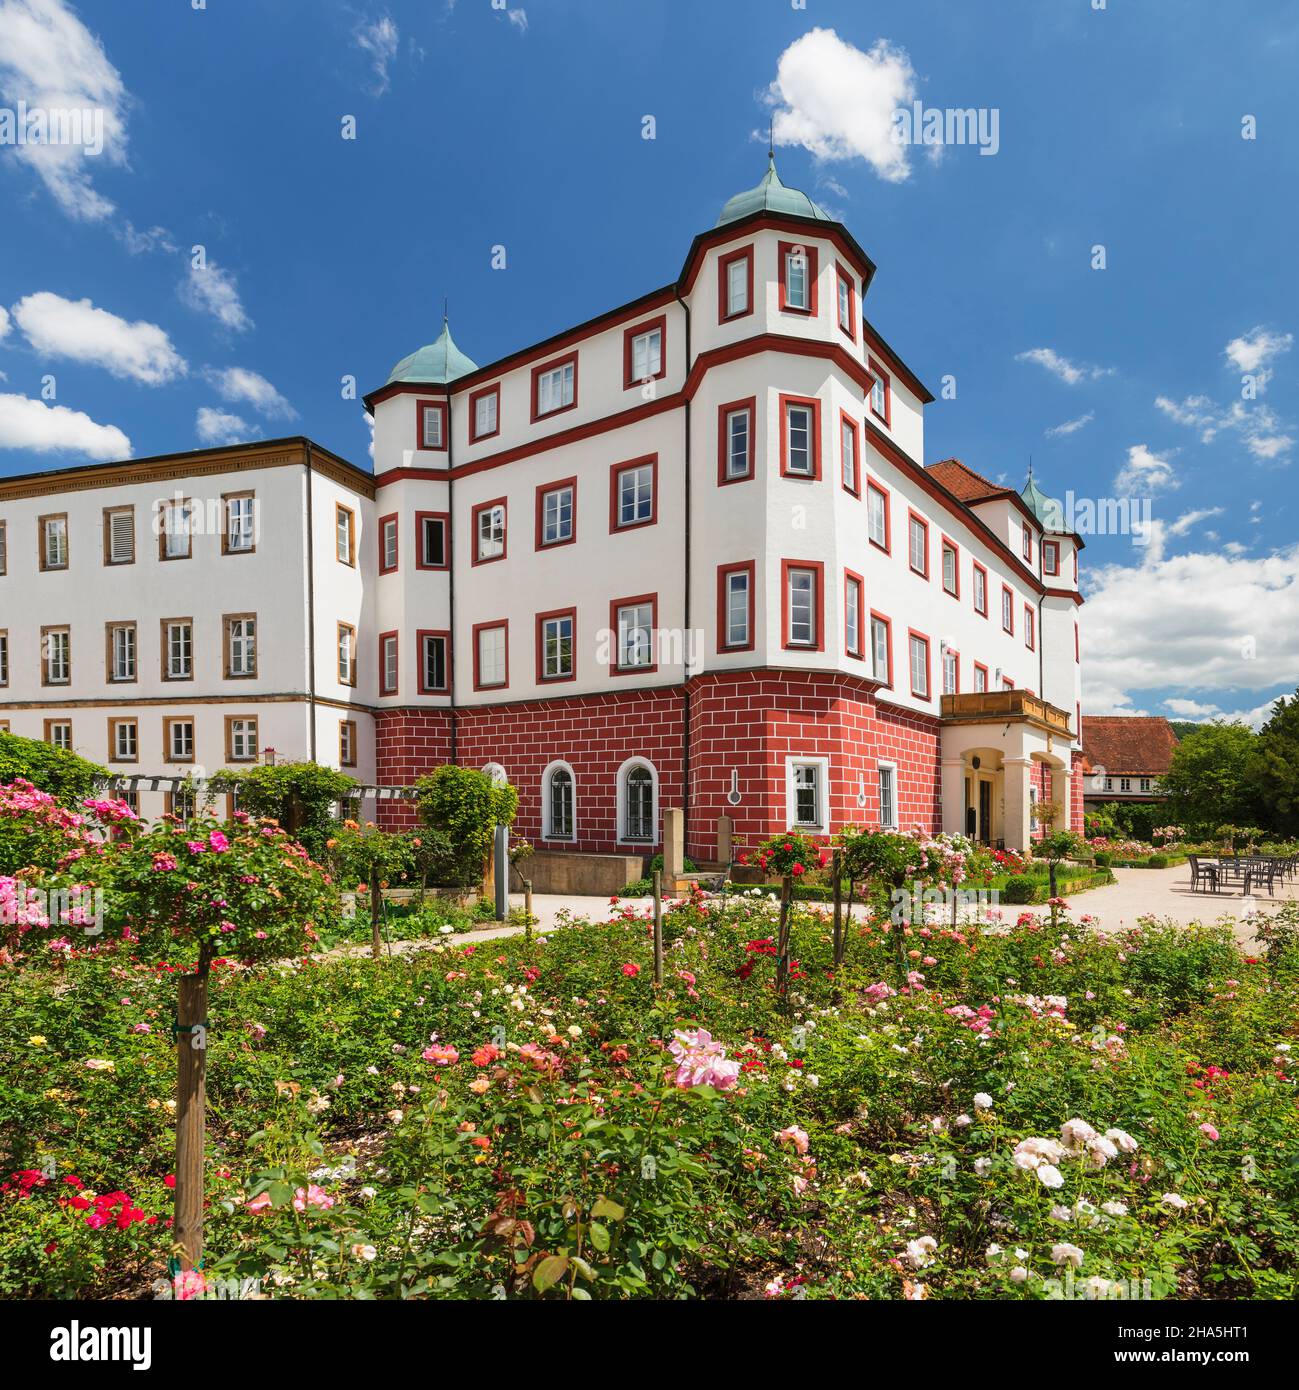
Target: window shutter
[121,537]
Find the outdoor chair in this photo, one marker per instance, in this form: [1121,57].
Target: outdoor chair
[1206,873]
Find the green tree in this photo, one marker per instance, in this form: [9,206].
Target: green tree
[68,778]
[299,796]
[464,806]
[1208,780]
[1273,767]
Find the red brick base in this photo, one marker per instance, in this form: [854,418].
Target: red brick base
[741,728]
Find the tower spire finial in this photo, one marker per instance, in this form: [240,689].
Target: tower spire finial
[771,139]
[446,315]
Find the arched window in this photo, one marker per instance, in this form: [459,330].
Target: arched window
[638,810]
[558,819]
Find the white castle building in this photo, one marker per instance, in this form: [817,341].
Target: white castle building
[686,554]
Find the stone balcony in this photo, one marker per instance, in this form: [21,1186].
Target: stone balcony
[998,706]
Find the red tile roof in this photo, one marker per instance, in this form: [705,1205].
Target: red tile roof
[1125,743]
[963,482]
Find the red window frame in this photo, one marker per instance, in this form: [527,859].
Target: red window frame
[445,519]
[538,372]
[818,568]
[543,489]
[542,678]
[420,635]
[383,641]
[421,409]
[851,577]
[843,276]
[876,370]
[785,402]
[876,616]
[1027,547]
[474,398]
[1051,548]
[1007,683]
[1007,590]
[979,666]
[945,541]
[942,657]
[873,486]
[614,606]
[615,472]
[748,567]
[645,326]
[784,248]
[392,518]
[503,623]
[745,253]
[974,594]
[846,419]
[914,633]
[913,515]
[1030,628]
[750,405]
[505,539]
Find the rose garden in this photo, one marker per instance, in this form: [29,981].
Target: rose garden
[220,1083]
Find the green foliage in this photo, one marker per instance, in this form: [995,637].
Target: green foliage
[242,889]
[299,796]
[539,1148]
[1208,781]
[1021,889]
[886,856]
[1273,767]
[464,806]
[65,776]
[687,864]
[363,855]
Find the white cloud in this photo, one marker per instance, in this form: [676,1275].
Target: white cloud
[1197,623]
[369,420]
[240,384]
[4,322]
[211,290]
[1190,709]
[1071,426]
[378,39]
[75,329]
[51,61]
[838,102]
[1262,432]
[218,427]
[1188,519]
[1145,472]
[1252,351]
[519,18]
[152,239]
[1071,373]
[44,429]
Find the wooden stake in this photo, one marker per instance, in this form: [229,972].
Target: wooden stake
[527,907]
[376,910]
[658,926]
[838,907]
[782,940]
[191,1102]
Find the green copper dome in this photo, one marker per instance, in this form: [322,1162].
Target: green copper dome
[435,364]
[1047,510]
[771,196]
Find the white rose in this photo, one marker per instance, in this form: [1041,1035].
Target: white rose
[1114,1209]
[1018,1275]
[1173,1201]
[1050,1176]
[983,1101]
[1125,1142]
[1064,1253]
[1075,1133]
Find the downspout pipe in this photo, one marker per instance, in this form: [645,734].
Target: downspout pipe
[686,633]
[311,609]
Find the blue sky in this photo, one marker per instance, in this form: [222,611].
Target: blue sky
[478,125]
